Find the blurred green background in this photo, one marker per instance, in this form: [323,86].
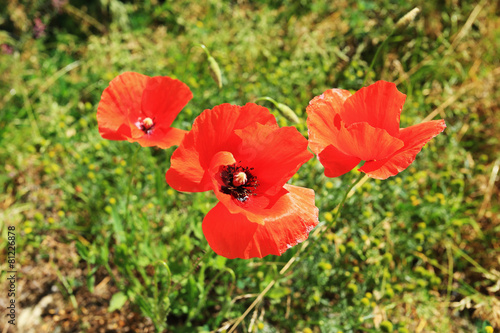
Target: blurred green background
[105,245]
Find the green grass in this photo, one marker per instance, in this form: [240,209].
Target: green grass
[416,247]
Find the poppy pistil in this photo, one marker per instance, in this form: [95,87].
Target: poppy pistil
[238,181]
[239,178]
[146,125]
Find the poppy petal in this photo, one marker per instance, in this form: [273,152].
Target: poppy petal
[379,105]
[212,131]
[414,138]
[366,142]
[337,163]
[161,137]
[122,133]
[234,236]
[120,100]
[185,173]
[275,154]
[322,119]
[163,98]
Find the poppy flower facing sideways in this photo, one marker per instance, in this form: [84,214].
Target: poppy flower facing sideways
[241,154]
[346,129]
[139,108]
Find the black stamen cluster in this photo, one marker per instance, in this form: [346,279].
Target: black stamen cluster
[242,192]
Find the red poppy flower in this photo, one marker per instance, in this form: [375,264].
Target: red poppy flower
[139,108]
[346,129]
[241,154]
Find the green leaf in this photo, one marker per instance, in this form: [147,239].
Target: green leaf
[279,292]
[117,301]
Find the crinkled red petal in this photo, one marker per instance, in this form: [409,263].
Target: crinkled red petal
[234,236]
[379,105]
[414,138]
[122,133]
[366,142]
[323,120]
[337,163]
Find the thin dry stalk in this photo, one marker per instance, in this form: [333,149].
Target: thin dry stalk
[489,189]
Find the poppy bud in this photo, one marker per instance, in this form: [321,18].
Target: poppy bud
[407,19]
[215,71]
[386,326]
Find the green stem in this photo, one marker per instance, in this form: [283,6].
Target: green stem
[161,307]
[346,194]
[207,289]
[31,115]
[198,261]
[133,164]
[67,286]
[376,56]
[167,268]
[205,49]
[269,99]
[284,109]
[450,274]
[458,251]
[120,224]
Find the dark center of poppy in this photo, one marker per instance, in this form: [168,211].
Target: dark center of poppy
[146,125]
[238,182]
